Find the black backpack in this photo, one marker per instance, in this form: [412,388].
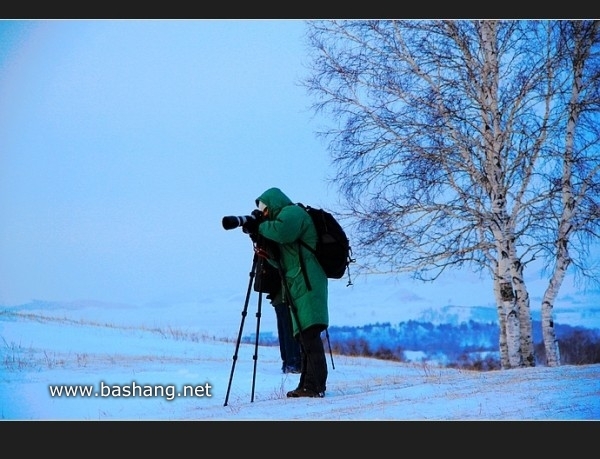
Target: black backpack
[333,247]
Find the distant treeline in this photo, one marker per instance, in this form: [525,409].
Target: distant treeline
[471,344]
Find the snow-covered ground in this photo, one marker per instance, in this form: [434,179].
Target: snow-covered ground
[137,362]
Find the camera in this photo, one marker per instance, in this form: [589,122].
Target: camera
[231,222]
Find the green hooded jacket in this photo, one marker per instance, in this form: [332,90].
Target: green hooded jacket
[286,224]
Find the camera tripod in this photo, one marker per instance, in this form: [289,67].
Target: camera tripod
[257,262]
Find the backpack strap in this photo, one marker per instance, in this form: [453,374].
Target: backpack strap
[300,244]
[307,246]
[302,265]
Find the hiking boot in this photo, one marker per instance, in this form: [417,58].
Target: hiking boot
[304,392]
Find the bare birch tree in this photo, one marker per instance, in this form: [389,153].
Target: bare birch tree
[442,149]
[575,204]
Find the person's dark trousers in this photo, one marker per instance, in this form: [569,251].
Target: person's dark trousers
[314,362]
[288,346]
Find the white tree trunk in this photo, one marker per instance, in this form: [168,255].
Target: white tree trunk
[527,348]
[509,313]
[495,169]
[513,337]
[502,339]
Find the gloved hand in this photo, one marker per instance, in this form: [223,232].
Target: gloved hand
[258,215]
[250,226]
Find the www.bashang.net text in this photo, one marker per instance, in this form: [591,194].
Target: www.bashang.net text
[168,392]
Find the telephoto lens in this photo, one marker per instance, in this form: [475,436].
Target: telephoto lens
[231,222]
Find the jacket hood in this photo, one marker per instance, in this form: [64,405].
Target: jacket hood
[275,200]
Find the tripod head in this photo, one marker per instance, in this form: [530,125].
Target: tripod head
[265,247]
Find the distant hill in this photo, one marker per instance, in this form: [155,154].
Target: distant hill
[455,315]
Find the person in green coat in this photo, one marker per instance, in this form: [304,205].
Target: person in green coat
[286,224]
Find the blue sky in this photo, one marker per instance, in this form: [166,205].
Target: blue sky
[123,143]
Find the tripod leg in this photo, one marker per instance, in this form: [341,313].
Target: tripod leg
[239,338]
[329,344]
[255,357]
[258,315]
